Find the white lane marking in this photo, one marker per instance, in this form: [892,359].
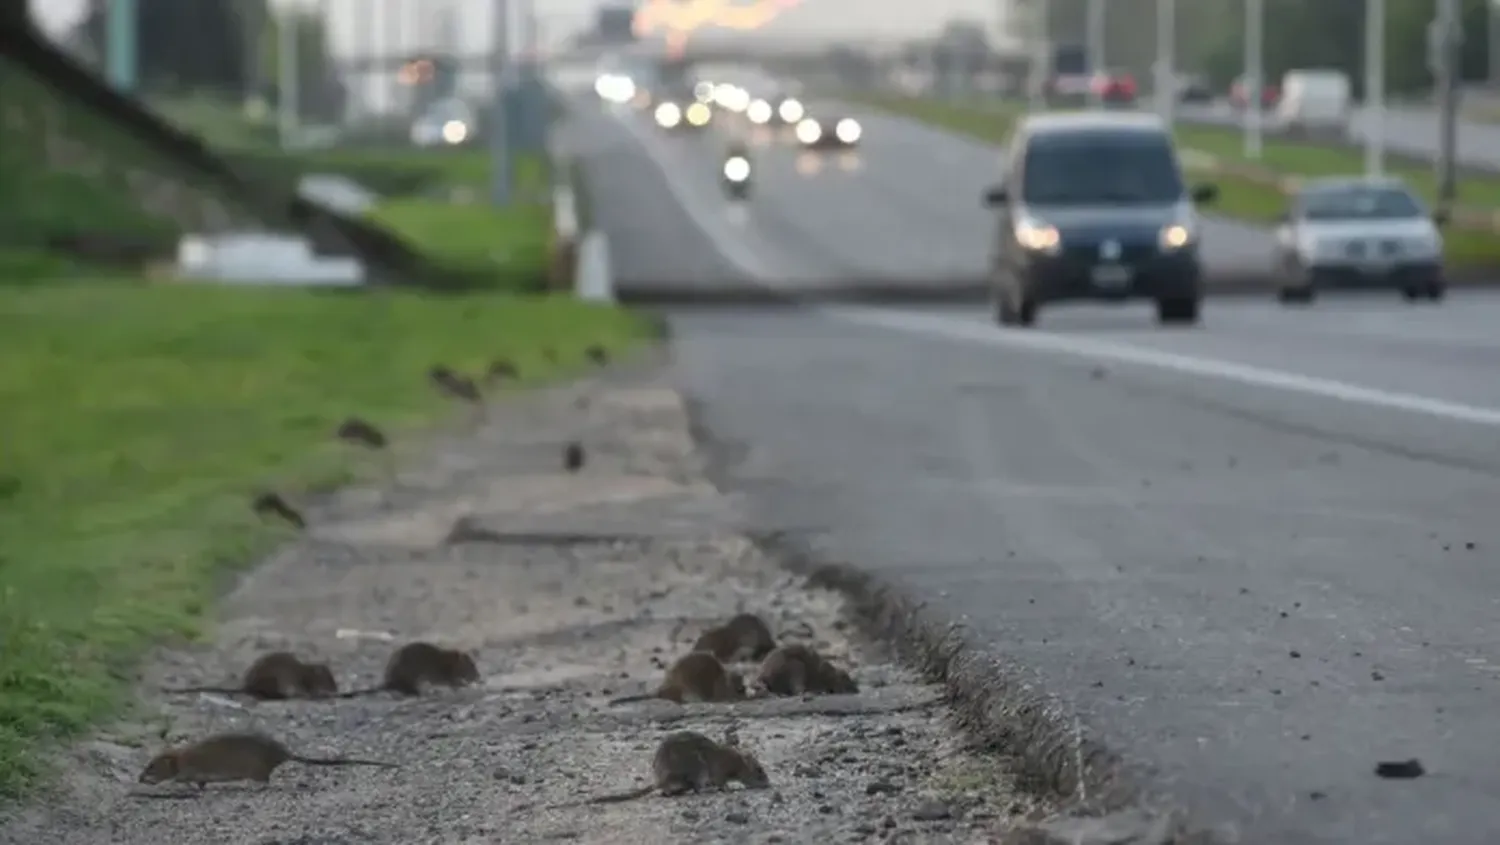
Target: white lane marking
[737,251]
[1093,348]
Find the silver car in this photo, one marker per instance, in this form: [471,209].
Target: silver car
[1358,232]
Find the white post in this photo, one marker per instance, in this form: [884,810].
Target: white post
[1255,19]
[1374,87]
[1166,59]
[1096,53]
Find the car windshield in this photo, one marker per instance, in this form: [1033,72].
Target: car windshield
[1360,203]
[1094,169]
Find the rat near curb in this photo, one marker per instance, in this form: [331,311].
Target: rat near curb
[691,762]
[276,676]
[744,637]
[501,368]
[233,756]
[597,355]
[573,456]
[695,677]
[421,664]
[795,669]
[271,504]
[361,433]
[451,383]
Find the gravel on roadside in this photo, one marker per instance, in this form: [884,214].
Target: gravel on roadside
[587,585]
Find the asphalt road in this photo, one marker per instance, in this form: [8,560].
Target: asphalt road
[905,208]
[1409,130]
[1256,554]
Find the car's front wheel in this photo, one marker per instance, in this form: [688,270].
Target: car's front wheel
[1013,305]
[1178,311]
[1296,285]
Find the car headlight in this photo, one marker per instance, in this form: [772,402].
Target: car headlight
[668,115]
[759,112]
[791,110]
[1175,236]
[737,168]
[1038,237]
[703,92]
[847,130]
[808,131]
[454,131]
[698,114]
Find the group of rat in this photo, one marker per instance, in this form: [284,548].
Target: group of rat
[685,761]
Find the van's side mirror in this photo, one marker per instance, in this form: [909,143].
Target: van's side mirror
[996,195]
[1441,217]
[1205,193]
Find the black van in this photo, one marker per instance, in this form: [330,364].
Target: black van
[1092,206]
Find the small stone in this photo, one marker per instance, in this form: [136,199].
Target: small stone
[737,818]
[932,811]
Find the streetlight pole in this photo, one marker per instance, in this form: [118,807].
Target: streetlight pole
[1255,20]
[1041,55]
[500,163]
[1374,87]
[1096,53]
[287,71]
[1166,59]
[122,44]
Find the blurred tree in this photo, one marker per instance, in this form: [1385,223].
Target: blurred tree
[321,93]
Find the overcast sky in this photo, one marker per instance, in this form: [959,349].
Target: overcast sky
[413,22]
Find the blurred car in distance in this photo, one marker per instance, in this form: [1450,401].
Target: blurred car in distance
[1193,88]
[1239,94]
[828,132]
[1094,207]
[1114,87]
[1356,231]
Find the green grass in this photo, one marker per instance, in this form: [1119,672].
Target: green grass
[393,173]
[134,423]
[1255,199]
[505,249]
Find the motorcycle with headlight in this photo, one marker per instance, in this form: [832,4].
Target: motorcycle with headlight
[735,173]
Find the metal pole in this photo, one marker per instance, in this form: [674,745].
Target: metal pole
[1492,54]
[1096,35]
[122,34]
[1166,59]
[287,25]
[1041,57]
[1255,20]
[1374,87]
[500,155]
[1450,23]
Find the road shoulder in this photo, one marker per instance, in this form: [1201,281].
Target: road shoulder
[586,585]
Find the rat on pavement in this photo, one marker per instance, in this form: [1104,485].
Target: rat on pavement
[795,669]
[744,637]
[686,761]
[695,677]
[233,756]
[421,664]
[278,675]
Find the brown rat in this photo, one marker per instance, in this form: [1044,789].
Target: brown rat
[691,762]
[597,354]
[233,756]
[451,383]
[501,368]
[358,431]
[421,664]
[795,669]
[744,637]
[573,456]
[276,676]
[695,677]
[271,504]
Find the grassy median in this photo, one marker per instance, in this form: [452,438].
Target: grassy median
[138,418]
[1256,199]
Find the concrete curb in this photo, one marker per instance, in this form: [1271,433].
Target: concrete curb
[594,281]
[997,703]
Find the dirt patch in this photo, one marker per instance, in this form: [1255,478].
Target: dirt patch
[559,628]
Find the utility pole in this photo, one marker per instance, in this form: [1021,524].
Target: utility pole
[1255,21]
[287,71]
[1041,56]
[1096,53]
[1166,59]
[500,163]
[122,44]
[1374,87]
[1449,39]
